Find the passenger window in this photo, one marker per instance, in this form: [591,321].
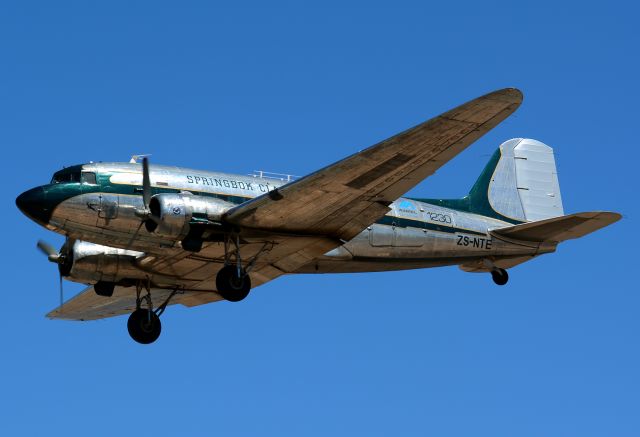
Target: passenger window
[89,178]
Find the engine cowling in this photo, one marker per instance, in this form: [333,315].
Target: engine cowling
[88,263]
[175,213]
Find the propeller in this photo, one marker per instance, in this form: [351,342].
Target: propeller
[146,183]
[145,214]
[48,250]
[63,258]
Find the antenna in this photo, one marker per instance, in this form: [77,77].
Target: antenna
[134,158]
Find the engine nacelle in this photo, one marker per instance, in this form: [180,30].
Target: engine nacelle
[175,213]
[89,263]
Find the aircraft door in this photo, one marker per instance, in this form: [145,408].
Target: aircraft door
[105,204]
[409,237]
[381,235]
[88,184]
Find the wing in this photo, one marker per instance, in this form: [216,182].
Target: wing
[87,305]
[344,198]
[195,273]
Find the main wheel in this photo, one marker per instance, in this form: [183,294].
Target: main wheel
[144,326]
[500,276]
[232,287]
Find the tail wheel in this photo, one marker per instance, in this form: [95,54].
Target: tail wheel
[500,276]
[231,286]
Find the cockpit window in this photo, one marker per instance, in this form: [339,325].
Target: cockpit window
[89,178]
[65,177]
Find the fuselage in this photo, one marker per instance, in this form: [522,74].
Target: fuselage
[97,203]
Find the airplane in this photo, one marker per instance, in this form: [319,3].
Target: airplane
[147,236]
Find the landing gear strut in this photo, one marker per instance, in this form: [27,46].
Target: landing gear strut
[499,276]
[144,323]
[232,281]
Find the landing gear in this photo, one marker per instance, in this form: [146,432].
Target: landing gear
[232,281]
[144,326]
[144,323]
[499,276]
[233,285]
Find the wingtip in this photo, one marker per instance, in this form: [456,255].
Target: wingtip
[613,216]
[512,94]
[608,217]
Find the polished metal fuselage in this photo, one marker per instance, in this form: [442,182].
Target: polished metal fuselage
[413,234]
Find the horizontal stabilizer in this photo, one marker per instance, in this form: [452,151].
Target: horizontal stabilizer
[559,229]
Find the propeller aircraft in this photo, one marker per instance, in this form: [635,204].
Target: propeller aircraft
[147,236]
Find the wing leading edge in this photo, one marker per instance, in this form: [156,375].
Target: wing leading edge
[342,199]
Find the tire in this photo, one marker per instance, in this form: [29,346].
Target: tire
[144,326]
[500,276]
[230,286]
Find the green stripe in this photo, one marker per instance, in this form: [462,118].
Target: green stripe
[410,223]
[107,187]
[60,192]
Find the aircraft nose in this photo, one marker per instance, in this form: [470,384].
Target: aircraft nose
[32,204]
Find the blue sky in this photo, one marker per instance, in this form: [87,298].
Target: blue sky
[291,87]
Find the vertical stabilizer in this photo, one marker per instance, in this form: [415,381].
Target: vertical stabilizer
[519,184]
[524,184]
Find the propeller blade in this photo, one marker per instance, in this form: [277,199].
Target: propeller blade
[46,248]
[146,183]
[61,294]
